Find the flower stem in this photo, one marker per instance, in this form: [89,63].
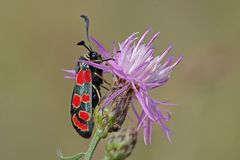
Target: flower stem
[92,146]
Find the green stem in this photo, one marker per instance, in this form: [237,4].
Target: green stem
[92,146]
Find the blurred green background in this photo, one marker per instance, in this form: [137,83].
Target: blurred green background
[37,40]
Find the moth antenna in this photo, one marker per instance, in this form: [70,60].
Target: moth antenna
[86,19]
[82,43]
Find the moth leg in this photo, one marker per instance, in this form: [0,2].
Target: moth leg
[103,60]
[104,87]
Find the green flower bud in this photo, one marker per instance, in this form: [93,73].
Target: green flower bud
[111,117]
[120,144]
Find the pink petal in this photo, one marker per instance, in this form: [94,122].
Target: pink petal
[142,38]
[166,52]
[97,65]
[152,39]
[101,49]
[114,95]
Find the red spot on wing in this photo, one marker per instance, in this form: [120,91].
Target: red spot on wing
[88,76]
[79,125]
[80,78]
[76,101]
[85,98]
[84,115]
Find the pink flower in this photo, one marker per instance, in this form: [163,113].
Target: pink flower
[134,63]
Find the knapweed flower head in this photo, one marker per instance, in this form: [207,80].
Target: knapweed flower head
[133,64]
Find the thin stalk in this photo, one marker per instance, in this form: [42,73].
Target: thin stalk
[92,146]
